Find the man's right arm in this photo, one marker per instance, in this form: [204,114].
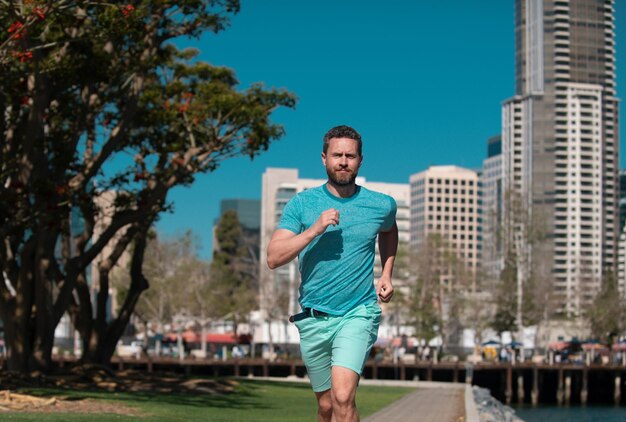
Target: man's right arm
[285,245]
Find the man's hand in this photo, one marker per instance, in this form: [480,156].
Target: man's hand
[330,217]
[285,245]
[384,289]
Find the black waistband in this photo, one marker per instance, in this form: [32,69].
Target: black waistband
[307,313]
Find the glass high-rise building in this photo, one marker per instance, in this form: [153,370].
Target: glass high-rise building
[560,148]
[492,209]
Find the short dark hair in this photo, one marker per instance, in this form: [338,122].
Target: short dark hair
[342,131]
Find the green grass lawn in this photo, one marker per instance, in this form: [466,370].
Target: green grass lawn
[252,401]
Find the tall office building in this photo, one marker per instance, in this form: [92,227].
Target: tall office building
[560,146]
[279,186]
[492,209]
[445,202]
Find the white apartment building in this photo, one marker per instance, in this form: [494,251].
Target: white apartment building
[445,202]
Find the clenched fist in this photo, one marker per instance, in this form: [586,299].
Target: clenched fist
[330,217]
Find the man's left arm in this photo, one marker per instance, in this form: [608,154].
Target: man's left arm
[387,246]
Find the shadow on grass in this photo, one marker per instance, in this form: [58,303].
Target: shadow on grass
[246,395]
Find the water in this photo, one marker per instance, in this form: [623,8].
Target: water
[571,414]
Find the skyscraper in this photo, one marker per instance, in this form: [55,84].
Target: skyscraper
[560,148]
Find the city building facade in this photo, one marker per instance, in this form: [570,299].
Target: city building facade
[560,148]
[492,177]
[445,203]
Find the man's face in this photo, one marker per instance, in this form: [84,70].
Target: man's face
[342,161]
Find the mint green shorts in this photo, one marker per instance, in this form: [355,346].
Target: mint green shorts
[343,341]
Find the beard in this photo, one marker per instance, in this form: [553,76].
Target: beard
[341,179]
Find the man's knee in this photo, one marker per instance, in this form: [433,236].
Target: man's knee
[325,409]
[325,405]
[343,398]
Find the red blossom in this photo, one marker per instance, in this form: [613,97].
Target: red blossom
[127,10]
[25,100]
[60,189]
[187,96]
[26,56]
[17,29]
[39,12]
[23,56]
[139,176]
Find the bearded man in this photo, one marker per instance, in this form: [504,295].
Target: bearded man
[332,229]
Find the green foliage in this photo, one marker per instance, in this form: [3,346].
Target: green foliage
[606,313]
[425,299]
[233,271]
[96,98]
[505,317]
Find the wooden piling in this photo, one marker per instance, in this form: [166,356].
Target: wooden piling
[617,392]
[520,388]
[509,384]
[534,394]
[568,388]
[584,392]
[559,389]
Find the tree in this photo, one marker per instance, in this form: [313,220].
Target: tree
[96,98]
[180,281]
[427,293]
[233,280]
[606,313]
[505,317]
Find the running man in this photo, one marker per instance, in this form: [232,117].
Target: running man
[332,229]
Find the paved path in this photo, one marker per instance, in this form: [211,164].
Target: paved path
[431,401]
[425,405]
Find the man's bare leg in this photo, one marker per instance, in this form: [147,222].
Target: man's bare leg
[324,406]
[343,390]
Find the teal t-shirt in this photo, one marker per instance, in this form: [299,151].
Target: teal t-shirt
[337,267]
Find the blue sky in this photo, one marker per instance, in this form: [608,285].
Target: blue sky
[422,81]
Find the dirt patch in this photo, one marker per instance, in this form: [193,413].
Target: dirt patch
[17,402]
[98,379]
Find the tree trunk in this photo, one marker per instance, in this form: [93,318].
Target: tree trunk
[17,349]
[21,321]
[102,349]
